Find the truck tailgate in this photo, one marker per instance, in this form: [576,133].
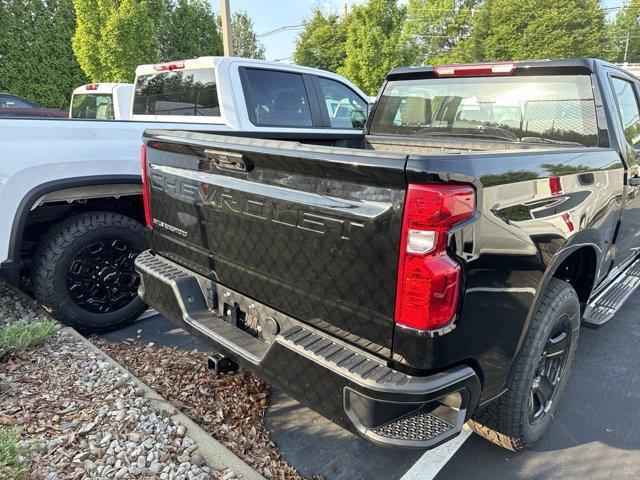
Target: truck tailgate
[310,231]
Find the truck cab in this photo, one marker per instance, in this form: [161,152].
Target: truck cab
[241,94]
[102,101]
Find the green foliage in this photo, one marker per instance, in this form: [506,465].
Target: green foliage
[245,41]
[114,36]
[436,26]
[626,23]
[375,43]
[128,40]
[507,30]
[189,30]
[35,51]
[20,336]
[12,463]
[322,43]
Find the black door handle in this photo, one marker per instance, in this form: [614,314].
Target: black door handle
[634,182]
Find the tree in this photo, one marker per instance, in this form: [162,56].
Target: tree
[190,29]
[114,36]
[35,50]
[507,30]
[128,40]
[322,43]
[436,26]
[375,43]
[625,26]
[245,41]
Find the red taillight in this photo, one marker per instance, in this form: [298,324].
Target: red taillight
[92,86]
[555,185]
[145,187]
[428,279]
[474,70]
[161,67]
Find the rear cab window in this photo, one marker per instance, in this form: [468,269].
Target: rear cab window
[95,106]
[276,98]
[177,93]
[529,109]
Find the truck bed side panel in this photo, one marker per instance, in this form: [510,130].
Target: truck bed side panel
[536,208]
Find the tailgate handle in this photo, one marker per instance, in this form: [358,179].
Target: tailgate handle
[228,160]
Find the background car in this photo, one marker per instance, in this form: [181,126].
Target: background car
[16,106]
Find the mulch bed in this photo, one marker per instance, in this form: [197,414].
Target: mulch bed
[230,407]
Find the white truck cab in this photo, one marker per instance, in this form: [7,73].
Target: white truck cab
[102,101]
[241,94]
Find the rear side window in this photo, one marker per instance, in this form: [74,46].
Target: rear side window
[531,109]
[346,109]
[12,102]
[277,99]
[92,106]
[628,109]
[177,92]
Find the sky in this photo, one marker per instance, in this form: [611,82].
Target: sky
[268,15]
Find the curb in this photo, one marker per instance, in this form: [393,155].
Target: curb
[214,452]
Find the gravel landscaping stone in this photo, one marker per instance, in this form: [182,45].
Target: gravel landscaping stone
[81,418]
[230,407]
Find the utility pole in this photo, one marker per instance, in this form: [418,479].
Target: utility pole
[225,16]
[626,49]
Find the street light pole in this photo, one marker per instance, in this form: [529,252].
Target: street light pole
[225,15]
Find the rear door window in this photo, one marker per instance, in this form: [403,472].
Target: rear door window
[277,99]
[178,93]
[11,102]
[628,109]
[346,109]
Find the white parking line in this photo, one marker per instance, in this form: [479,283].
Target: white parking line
[429,464]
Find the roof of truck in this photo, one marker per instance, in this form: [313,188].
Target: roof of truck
[550,66]
[105,87]
[208,62]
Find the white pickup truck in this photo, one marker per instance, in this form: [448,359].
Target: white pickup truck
[70,189]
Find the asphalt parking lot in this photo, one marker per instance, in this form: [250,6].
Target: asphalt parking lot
[595,435]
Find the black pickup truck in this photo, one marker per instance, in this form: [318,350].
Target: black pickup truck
[433,270]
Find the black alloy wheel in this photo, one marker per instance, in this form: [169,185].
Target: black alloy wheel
[549,371]
[101,276]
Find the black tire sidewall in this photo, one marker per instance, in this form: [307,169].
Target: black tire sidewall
[566,303]
[67,309]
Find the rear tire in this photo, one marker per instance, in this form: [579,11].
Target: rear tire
[521,417]
[83,271]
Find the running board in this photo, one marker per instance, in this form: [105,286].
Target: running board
[603,307]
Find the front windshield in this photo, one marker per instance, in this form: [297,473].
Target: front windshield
[540,109]
[95,106]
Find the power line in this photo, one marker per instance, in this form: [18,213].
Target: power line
[280,29]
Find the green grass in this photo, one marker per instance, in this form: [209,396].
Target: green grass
[13,459]
[19,336]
